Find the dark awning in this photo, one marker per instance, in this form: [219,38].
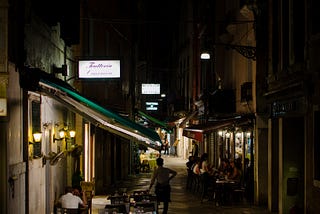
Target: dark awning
[186,119]
[157,122]
[95,113]
[197,132]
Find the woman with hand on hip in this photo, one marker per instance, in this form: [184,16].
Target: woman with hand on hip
[162,176]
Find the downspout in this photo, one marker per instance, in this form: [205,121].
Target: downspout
[25,146]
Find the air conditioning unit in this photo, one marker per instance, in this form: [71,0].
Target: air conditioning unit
[246,92]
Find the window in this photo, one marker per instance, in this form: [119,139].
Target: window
[34,124]
[246,92]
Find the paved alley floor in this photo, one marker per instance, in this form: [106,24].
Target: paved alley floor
[183,201]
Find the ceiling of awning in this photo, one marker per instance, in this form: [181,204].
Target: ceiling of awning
[96,114]
[154,120]
[196,132]
[189,117]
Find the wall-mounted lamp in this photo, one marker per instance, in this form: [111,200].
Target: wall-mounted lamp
[64,135]
[37,137]
[72,133]
[228,135]
[60,70]
[248,134]
[205,55]
[220,133]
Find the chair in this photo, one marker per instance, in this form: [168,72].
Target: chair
[67,211]
[238,190]
[189,179]
[118,199]
[196,184]
[145,167]
[118,208]
[207,187]
[148,207]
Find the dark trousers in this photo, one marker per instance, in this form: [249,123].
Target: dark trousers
[163,195]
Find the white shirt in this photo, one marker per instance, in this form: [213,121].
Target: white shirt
[70,201]
[162,175]
[204,167]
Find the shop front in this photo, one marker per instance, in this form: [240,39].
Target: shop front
[104,137]
[230,138]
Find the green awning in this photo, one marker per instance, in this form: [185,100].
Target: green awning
[155,121]
[104,118]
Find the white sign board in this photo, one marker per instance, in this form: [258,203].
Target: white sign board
[150,88]
[97,69]
[152,106]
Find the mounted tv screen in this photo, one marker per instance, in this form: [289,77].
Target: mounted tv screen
[150,88]
[97,69]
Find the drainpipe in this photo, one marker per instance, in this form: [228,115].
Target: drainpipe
[25,146]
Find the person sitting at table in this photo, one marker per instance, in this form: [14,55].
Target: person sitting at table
[204,165]
[205,174]
[71,201]
[196,167]
[190,162]
[235,172]
[224,168]
[77,190]
[144,163]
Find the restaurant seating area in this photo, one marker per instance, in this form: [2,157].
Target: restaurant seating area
[121,202]
[59,210]
[148,161]
[218,189]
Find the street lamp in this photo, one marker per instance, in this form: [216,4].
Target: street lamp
[205,55]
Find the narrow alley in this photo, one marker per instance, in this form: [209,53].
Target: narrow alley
[183,201]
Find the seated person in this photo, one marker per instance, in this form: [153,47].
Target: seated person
[69,200]
[143,156]
[224,168]
[190,162]
[235,172]
[78,192]
[196,167]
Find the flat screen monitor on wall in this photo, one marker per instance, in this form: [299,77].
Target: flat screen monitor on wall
[99,69]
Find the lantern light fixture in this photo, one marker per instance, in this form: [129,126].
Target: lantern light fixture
[228,135]
[37,137]
[205,55]
[72,133]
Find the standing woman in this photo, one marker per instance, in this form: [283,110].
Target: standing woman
[163,176]
[166,147]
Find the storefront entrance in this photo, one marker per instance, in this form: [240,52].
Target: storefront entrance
[291,164]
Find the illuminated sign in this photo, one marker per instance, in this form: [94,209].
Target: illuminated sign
[152,106]
[97,69]
[150,88]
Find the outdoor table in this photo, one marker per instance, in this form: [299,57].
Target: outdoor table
[223,189]
[142,200]
[152,163]
[99,203]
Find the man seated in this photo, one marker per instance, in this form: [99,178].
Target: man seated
[69,200]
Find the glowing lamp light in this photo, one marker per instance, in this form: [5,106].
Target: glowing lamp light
[37,137]
[205,55]
[62,134]
[248,134]
[228,135]
[72,133]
